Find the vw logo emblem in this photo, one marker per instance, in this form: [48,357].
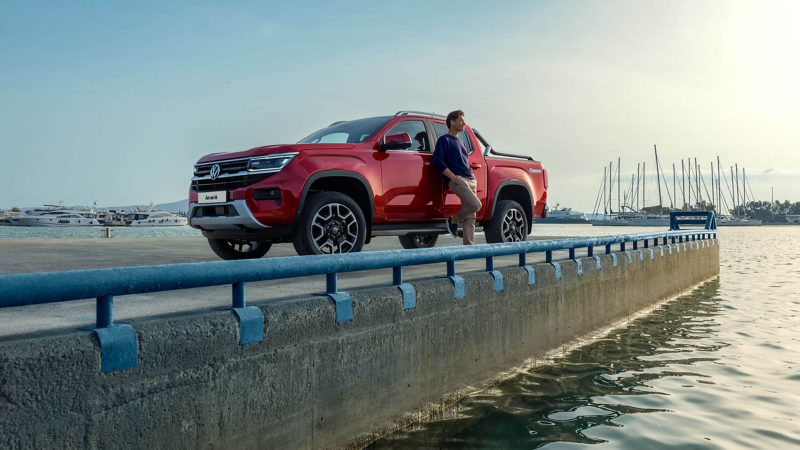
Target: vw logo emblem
[215,171]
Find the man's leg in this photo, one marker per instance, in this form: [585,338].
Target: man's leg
[470,204]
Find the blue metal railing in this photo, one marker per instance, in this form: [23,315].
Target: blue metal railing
[118,341]
[678,218]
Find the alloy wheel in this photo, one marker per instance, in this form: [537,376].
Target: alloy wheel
[334,229]
[513,226]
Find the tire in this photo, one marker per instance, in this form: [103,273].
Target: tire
[419,240]
[331,222]
[233,250]
[509,223]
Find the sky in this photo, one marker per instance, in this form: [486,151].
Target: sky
[115,101]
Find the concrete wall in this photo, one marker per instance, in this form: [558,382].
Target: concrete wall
[313,383]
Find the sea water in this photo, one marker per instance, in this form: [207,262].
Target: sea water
[716,368]
[94,232]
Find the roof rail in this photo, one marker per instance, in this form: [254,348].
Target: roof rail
[419,113]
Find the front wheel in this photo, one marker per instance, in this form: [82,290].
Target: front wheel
[508,224]
[233,250]
[331,222]
[419,240]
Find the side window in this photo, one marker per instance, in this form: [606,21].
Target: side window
[419,135]
[441,130]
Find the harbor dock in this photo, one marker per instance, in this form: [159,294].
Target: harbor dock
[334,359]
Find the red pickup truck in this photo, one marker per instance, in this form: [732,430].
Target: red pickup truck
[353,180]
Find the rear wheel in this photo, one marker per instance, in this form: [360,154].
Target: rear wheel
[419,240]
[331,222]
[233,250]
[508,224]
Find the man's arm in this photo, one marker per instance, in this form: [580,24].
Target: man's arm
[439,162]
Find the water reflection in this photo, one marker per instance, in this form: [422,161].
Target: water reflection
[579,397]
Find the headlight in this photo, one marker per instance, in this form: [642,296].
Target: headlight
[272,163]
[196,170]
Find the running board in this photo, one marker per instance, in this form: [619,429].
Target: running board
[403,230]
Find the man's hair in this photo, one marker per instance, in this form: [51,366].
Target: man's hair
[453,116]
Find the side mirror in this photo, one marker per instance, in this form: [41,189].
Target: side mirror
[395,141]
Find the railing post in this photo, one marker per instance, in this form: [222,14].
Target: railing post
[498,277]
[105,311]
[397,275]
[238,295]
[331,283]
[529,269]
[622,246]
[251,319]
[118,346]
[665,240]
[590,251]
[572,253]
[608,249]
[635,245]
[548,256]
[673,240]
[458,282]
[647,243]
[409,293]
[342,302]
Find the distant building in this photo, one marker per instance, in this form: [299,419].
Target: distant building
[793,218]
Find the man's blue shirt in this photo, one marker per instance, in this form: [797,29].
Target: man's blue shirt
[451,153]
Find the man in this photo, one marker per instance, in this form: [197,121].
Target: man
[452,159]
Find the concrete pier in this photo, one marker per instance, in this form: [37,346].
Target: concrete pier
[314,383]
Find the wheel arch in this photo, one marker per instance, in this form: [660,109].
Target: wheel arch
[349,183]
[518,191]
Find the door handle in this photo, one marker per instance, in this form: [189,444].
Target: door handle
[426,163]
[475,166]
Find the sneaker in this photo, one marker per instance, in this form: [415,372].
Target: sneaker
[452,228]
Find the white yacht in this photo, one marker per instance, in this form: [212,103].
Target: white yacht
[57,218]
[154,219]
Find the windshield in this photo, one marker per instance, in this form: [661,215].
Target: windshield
[350,132]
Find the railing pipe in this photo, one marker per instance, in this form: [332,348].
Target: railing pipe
[35,288]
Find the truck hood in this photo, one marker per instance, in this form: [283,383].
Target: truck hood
[273,149]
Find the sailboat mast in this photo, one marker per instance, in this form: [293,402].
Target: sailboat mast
[683,185]
[689,179]
[719,186]
[658,180]
[713,194]
[619,186]
[733,194]
[744,190]
[674,184]
[638,170]
[697,196]
[610,184]
[738,201]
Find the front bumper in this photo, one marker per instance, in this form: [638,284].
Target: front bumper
[233,220]
[235,216]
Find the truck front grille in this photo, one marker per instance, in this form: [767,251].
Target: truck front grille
[228,183]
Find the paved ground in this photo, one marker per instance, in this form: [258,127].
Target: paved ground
[44,255]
